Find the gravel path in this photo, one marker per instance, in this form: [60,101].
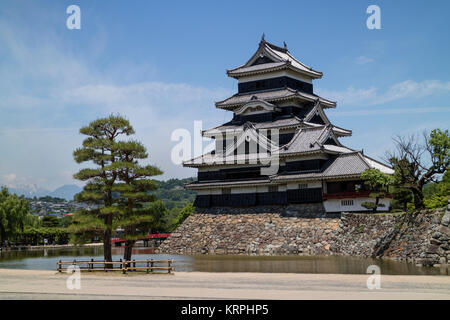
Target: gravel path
[32,284]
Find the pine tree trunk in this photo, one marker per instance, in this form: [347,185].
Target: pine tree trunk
[107,252]
[128,250]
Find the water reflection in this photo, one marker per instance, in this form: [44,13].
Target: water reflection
[46,260]
[306,264]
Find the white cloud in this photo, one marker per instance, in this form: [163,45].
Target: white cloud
[13,180]
[363,60]
[155,109]
[49,92]
[408,89]
[10,177]
[388,111]
[165,99]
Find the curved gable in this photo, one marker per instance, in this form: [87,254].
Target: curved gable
[256,106]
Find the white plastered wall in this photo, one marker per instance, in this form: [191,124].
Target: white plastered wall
[334,205]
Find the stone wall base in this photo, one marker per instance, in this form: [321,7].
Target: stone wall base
[438,253]
[396,236]
[422,237]
[263,234]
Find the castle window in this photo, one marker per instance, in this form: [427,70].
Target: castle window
[273,188]
[226,190]
[261,84]
[303,186]
[346,203]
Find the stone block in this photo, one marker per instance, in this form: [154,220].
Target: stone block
[446,218]
[433,249]
[444,230]
[435,241]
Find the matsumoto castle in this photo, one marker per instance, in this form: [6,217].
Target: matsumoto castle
[280,149]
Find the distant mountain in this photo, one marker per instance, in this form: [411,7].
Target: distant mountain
[29,191]
[67,191]
[170,191]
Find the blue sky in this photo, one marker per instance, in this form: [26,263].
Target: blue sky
[162,64]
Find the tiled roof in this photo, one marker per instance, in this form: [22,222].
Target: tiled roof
[307,140]
[344,165]
[347,164]
[298,176]
[214,159]
[378,165]
[337,149]
[351,164]
[258,67]
[238,100]
[339,132]
[279,123]
[280,57]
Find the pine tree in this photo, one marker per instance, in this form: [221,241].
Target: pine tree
[378,183]
[100,147]
[134,192]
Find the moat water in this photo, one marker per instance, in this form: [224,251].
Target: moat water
[46,260]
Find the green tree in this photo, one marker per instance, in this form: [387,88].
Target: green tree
[401,198]
[161,216]
[86,225]
[31,220]
[100,148]
[430,189]
[378,183]
[14,211]
[134,192]
[440,197]
[65,221]
[50,222]
[51,199]
[173,189]
[182,215]
[418,163]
